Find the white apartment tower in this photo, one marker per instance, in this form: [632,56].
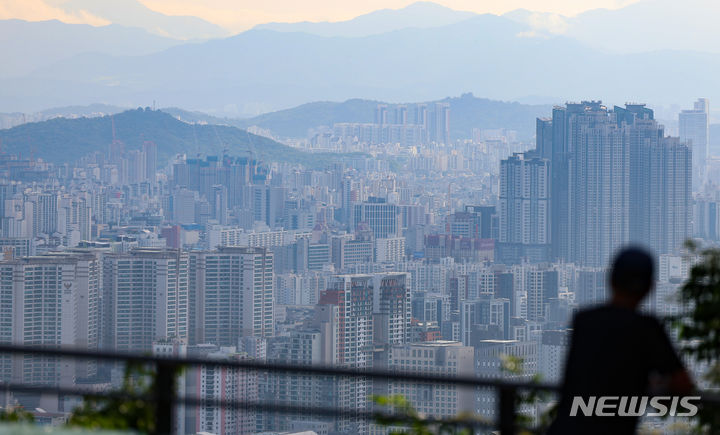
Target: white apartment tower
[694,128]
[436,358]
[148,290]
[226,384]
[50,300]
[524,207]
[233,294]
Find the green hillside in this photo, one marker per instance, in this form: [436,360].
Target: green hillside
[65,140]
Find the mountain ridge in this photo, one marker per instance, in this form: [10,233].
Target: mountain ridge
[264,70]
[466,112]
[64,140]
[421,14]
[29,45]
[133,13]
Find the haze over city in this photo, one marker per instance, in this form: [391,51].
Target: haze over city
[400,53]
[335,217]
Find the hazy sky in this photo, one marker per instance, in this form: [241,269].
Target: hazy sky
[238,15]
[39,10]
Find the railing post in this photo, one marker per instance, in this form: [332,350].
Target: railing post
[507,410]
[164,398]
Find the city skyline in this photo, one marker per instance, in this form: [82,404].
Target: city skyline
[406,250]
[291,218]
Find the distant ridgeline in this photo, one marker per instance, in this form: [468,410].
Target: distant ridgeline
[63,140]
[466,112]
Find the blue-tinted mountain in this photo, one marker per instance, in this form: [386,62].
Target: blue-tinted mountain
[8,120]
[280,70]
[487,55]
[296,122]
[651,25]
[419,15]
[28,46]
[466,112]
[133,13]
[64,140]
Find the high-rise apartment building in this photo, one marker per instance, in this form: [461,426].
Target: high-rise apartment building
[49,300]
[489,355]
[483,317]
[407,125]
[183,207]
[356,316]
[224,384]
[552,354]
[524,208]
[695,129]
[614,179]
[267,203]
[436,358]
[390,250]
[541,285]
[391,307]
[340,333]
[353,297]
[590,286]
[438,128]
[145,293]
[706,218]
[660,182]
[382,218]
[306,346]
[45,212]
[475,222]
[232,294]
[233,173]
[599,194]
[151,160]
[74,219]
[666,214]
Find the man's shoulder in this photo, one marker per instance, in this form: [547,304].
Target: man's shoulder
[591,313]
[609,313]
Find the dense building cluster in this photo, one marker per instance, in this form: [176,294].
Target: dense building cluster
[428,256]
[597,180]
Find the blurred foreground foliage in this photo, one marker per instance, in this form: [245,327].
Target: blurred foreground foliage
[413,423]
[118,413]
[16,414]
[409,422]
[698,324]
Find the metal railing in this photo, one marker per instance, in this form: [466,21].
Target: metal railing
[165,398]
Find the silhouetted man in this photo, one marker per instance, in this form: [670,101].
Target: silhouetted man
[617,351]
